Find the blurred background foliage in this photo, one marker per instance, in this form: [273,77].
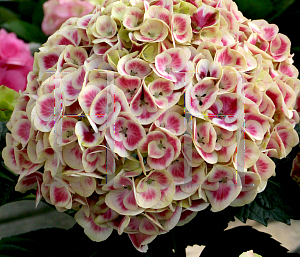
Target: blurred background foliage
[24,18]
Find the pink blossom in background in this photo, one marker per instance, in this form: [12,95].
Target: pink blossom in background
[15,61]
[56,12]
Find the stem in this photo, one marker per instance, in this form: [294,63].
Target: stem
[174,243]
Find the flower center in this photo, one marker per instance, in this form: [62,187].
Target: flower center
[149,181]
[70,133]
[128,187]
[109,109]
[200,98]
[123,131]
[143,102]
[161,146]
[221,115]
[133,73]
[224,180]
[200,140]
[219,137]
[156,95]
[131,92]
[168,70]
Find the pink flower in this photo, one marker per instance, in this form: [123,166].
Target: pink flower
[15,61]
[56,12]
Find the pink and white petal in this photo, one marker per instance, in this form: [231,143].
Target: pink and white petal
[280,45]
[148,198]
[88,183]
[115,146]
[172,140]
[154,151]
[152,30]
[68,129]
[228,80]
[86,137]
[123,224]
[226,193]
[186,217]
[140,241]
[167,196]
[255,129]
[130,201]
[59,195]
[163,162]
[115,200]
[159,13]
[116,131]
[173,220]
[205,16]
[129,85]
[180,171]
[72,154]
[185,38]
[226,57]
[106,217]
[268,32]
[38,195]
[288,69]
[45,107]
[47,60]
[29,182]
[86,97]
[225,153]
[151,136]
[244,197]
[175,123]
[162,62]
[94,231]
[219,171]
[78,55]
[250,180]
[137,67]
[135,134]
[21,131]
[179,194]
[251,153]
[160,85]
[198,205]
[147,227]
[211,158]
[163,178]
[190,153]
[265,167]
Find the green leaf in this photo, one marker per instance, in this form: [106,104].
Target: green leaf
[266,9]
[235,241]
[3,131]
[277,202]
[8,100]
[25,30]
[279,6]
[297,48]
[255,9]
[7,15]
[38,13]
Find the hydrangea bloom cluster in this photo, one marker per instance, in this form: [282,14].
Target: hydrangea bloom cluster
[56,12]
[161,109]
[15,61]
